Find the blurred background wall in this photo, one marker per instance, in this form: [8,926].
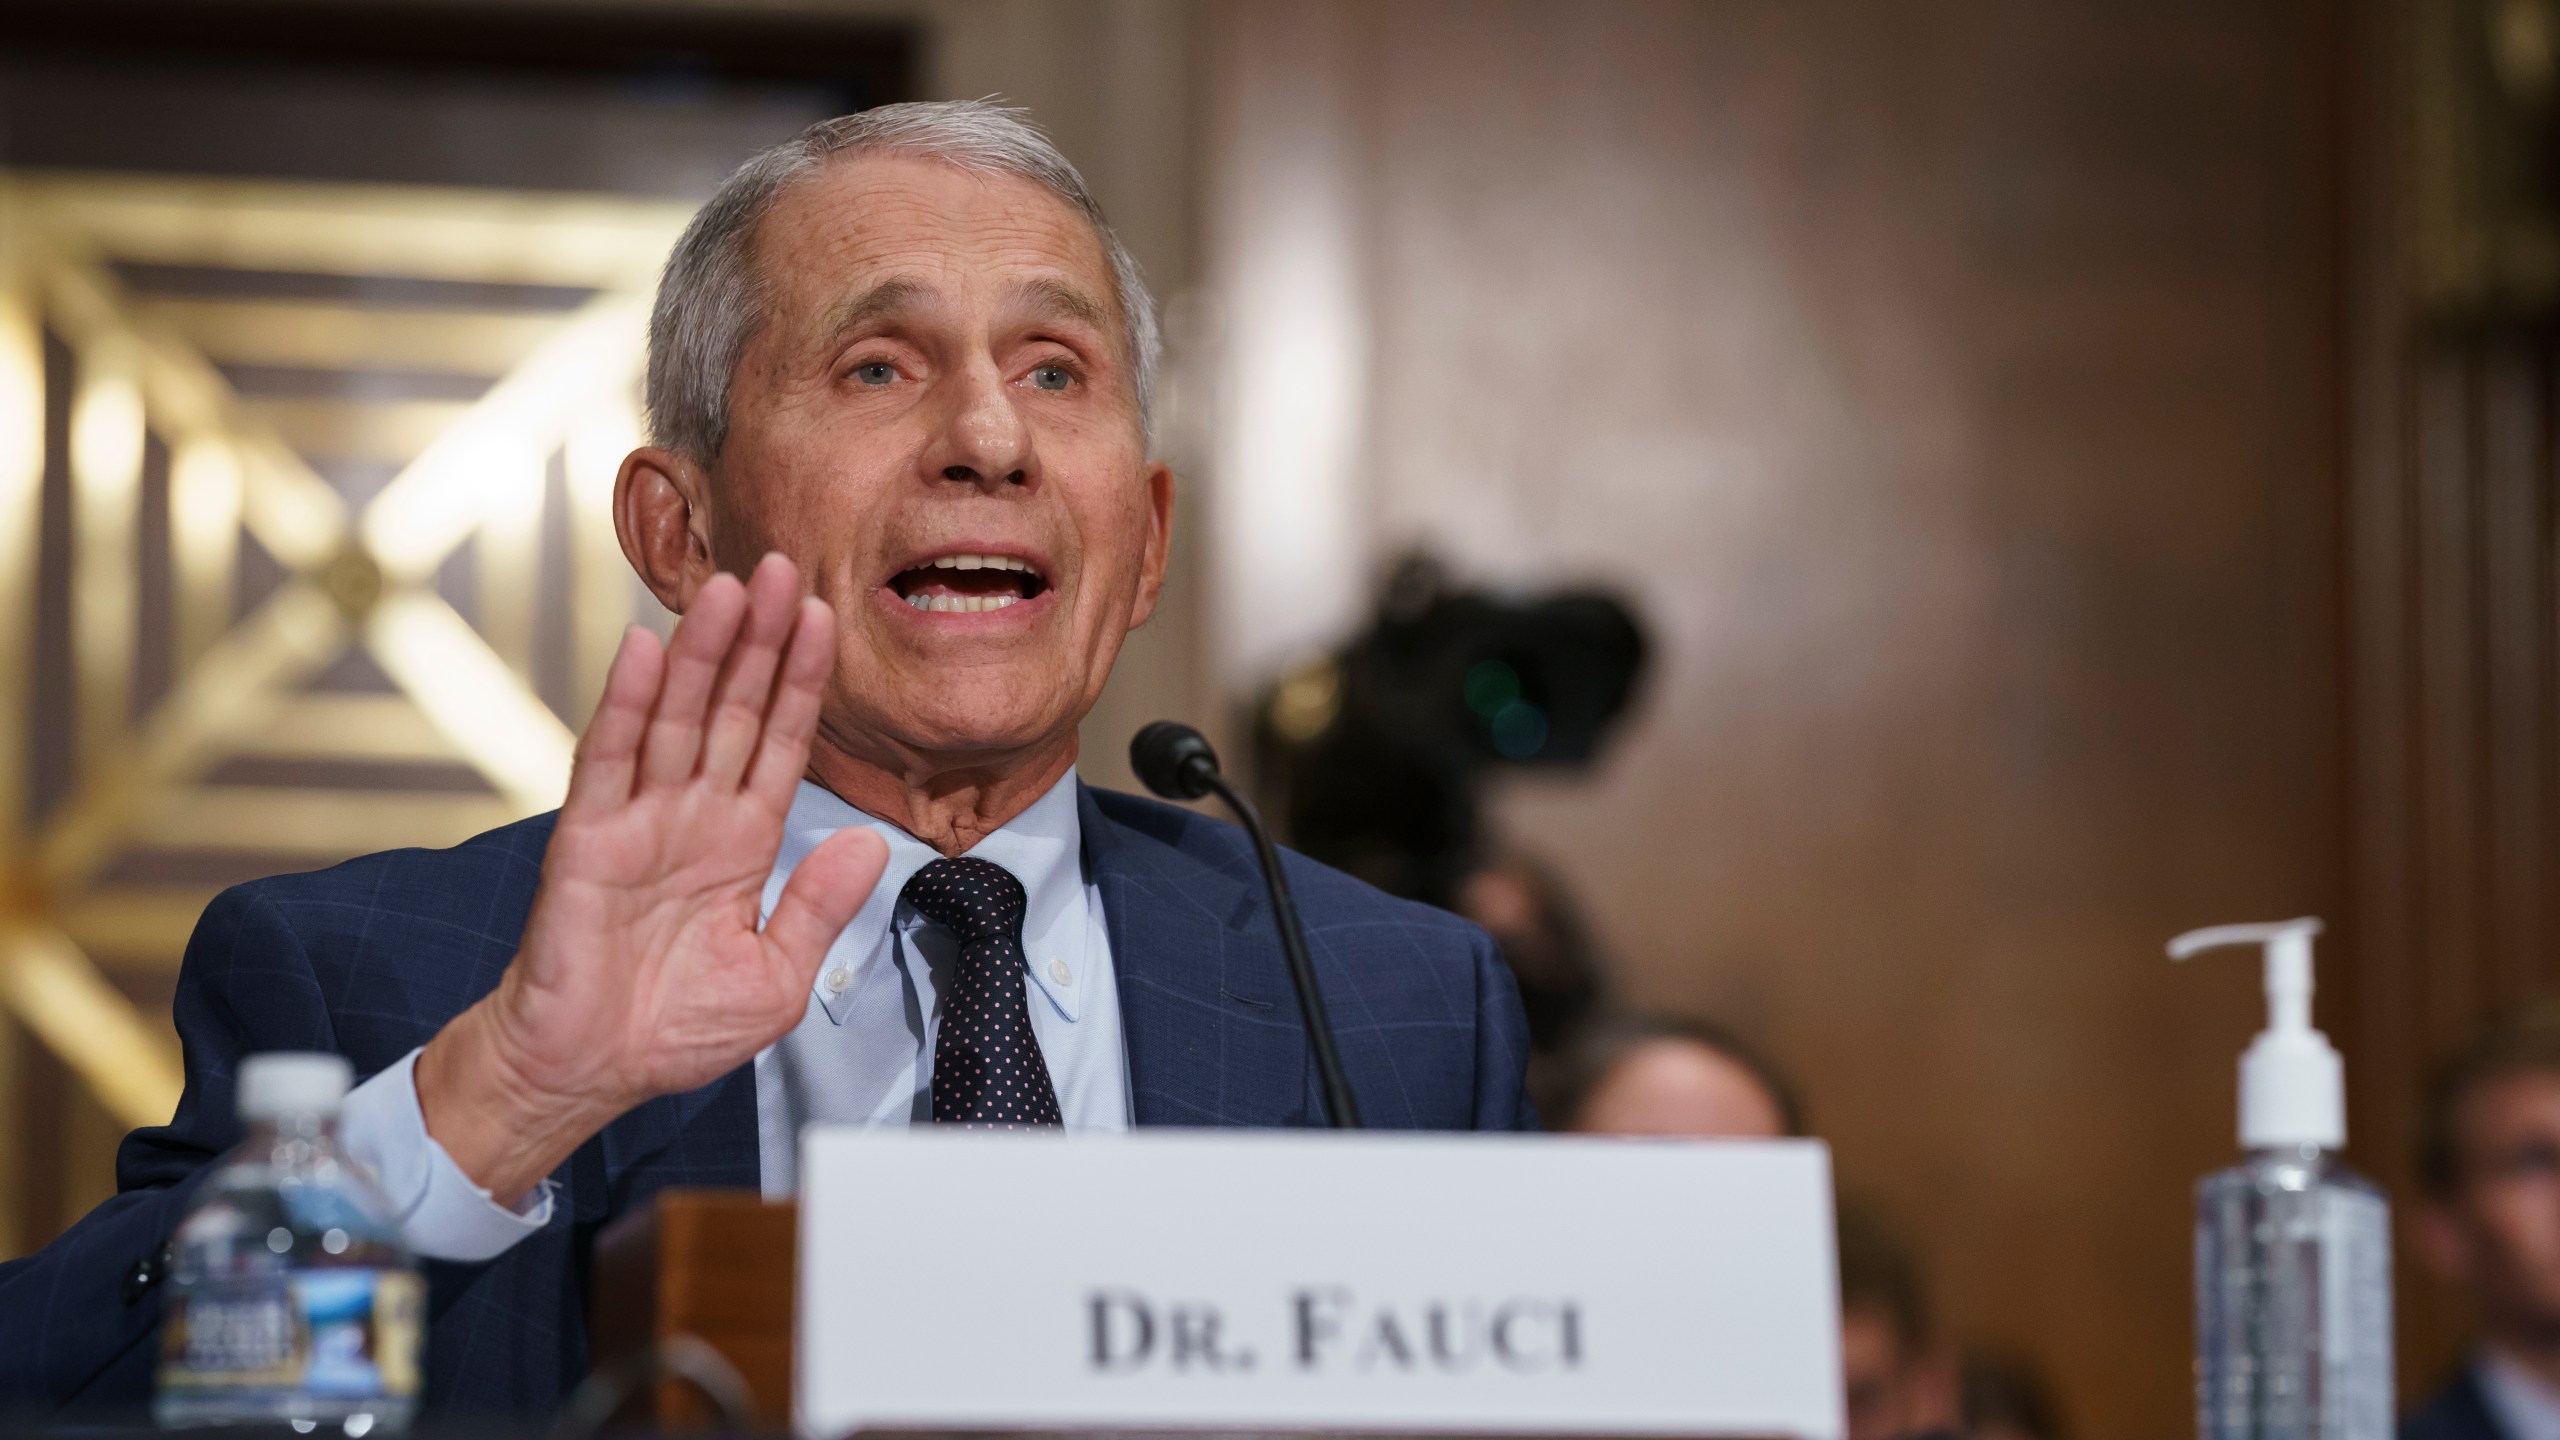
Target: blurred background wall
[1949,388]
[2086,470]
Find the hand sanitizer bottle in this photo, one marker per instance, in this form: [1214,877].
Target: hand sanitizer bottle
[2293,1251]
[291,1299]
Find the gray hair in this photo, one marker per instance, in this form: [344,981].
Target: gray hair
[711,300]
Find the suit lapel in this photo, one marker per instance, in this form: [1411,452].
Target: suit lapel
[1206,1013]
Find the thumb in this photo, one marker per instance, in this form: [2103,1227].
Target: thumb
[822,894]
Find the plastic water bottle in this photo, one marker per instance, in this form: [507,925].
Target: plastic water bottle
[291,1298]
[2293,1250]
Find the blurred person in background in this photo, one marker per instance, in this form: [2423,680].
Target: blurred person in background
[1378,759]
[1656,1075]
[1661,1075]
[2489,1159]
[1900,1377]
[1525,905]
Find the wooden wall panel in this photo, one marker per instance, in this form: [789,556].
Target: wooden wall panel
[2457,731]
[1954,388]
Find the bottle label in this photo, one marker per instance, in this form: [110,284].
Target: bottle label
[351,1333]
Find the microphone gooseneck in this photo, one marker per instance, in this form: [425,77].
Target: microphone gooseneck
[1178,763]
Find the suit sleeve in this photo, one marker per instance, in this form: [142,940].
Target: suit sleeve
[72,1332]
[1502,1044]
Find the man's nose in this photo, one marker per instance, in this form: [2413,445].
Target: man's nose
[983,440]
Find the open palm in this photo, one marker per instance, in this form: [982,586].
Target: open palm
[644,957]
[644,969]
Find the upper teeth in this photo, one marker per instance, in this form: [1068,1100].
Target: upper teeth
[962,604]
[980,562]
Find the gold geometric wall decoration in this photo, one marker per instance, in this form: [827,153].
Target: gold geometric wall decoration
[321,475]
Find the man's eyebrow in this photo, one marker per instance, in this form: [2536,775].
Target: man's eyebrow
[1060,298]
[886,298]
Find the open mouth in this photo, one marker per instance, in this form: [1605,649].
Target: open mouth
[968,584]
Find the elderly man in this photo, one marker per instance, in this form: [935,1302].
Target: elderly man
[899,376]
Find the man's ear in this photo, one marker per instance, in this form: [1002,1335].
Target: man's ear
[1159,551]
[662,512]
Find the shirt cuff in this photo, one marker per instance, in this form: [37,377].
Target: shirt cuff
[441,1214]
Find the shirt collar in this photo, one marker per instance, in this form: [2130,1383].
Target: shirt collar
[2524,1404]
[1043,847]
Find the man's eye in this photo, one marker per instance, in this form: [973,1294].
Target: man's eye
[1052,377]
[2529,1162]
[878,372]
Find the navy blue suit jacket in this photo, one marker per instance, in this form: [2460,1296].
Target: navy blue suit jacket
[371,958]
[2457,1412]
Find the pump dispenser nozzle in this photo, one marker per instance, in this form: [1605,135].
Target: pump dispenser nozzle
[2292,1085]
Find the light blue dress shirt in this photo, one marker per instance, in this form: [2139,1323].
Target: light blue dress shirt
[862,1054]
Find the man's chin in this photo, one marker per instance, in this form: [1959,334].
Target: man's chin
[968,724]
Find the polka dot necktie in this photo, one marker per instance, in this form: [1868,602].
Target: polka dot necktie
[987,1066]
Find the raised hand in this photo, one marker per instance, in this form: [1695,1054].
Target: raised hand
[643,970]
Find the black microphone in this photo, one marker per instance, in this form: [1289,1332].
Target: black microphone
[1176,762]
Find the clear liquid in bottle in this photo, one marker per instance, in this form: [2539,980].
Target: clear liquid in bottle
[290,1296]
[2293,1301]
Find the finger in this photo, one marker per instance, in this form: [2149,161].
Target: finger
[747,683]
[782,752]
[673,745]
[821,897]
[601,774]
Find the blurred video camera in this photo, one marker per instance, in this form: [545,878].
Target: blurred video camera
[1375,754]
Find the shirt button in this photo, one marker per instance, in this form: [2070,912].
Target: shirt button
[1059,972]
[837,979]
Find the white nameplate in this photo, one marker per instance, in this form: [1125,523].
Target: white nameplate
[1223,1279]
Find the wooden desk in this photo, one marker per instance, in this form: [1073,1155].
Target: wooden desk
[717,1265]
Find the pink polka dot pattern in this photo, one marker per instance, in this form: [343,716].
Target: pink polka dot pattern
[987,1065]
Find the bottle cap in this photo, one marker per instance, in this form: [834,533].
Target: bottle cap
[2293,1088]
[293,1083]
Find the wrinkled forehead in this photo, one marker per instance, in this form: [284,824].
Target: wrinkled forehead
[940,235]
